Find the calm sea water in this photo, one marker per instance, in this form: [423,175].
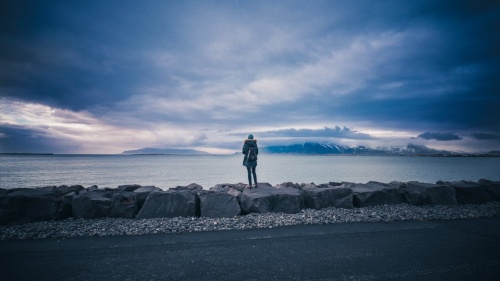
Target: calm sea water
[167,171]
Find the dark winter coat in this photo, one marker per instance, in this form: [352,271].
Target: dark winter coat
[246,146]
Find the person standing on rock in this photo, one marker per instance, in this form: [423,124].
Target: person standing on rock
[250,150]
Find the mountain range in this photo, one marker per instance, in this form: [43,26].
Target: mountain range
[329,148]
[312,148]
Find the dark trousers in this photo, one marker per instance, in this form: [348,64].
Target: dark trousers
[251,170]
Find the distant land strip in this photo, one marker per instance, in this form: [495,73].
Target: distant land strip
[24,153]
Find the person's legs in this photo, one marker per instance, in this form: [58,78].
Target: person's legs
[249,176]
[254,175]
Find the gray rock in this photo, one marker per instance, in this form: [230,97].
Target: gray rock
[265,198]
[289,184]
[194,187]
[92,204]
[417,193]
[397,184]
[470,193]
[305,186]
[492,188]
[70,195]
[319,198]
[236,193]
[143,192]
[30,205]
[376,193]
[169,203]
[47,188]
[65,208]
[226,187]
[92,188]
[347,185]
[64,189]
[118,226]
[218,204]
[124,205]
[128,187]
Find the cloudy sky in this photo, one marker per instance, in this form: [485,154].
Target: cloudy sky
[109,76]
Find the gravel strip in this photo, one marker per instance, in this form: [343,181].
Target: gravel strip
[111,226]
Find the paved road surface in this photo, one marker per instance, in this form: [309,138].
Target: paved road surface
[432,250]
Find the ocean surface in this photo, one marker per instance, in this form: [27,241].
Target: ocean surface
[166,171]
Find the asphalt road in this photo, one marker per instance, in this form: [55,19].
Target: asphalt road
[428,250]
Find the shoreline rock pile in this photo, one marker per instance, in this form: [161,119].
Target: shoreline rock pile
[21,206]
[72,227]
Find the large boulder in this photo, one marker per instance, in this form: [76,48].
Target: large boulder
[128,187]
[470,193]
[376,193]
[417,193]
[193,187]
[265,198]
[169,203]
[306,186]
[30,205]
[92,204]
[143,192]
[64,189]
[45,188]
[3,195]
[492,188]
[235,192]
[92,188]
[219,204]
[319,198]
[124,205]
[226,187]
[289,184]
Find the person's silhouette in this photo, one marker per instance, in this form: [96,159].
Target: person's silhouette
[250,150]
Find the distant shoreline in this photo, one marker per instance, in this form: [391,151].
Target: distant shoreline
[389,155]
[24,153]
[237,153]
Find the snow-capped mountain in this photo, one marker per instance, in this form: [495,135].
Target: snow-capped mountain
[329,148]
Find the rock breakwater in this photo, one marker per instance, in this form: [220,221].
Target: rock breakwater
[119,226]
[70,203]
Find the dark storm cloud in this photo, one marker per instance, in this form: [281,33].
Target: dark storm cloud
[485,136]
[337,132]
[441,75]
[20,139]
[74,55]
[439,136]
[388,65]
